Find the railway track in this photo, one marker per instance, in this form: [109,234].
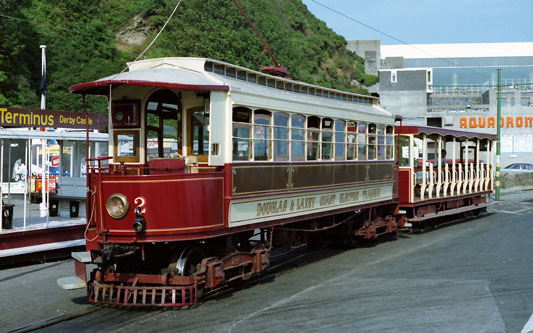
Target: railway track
[109,318]
[114,318]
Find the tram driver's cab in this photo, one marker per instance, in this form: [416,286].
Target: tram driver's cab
[167,131]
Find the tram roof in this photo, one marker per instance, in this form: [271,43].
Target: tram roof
[442,131]
[212,75]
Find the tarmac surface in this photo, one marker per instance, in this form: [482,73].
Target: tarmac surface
[475,276]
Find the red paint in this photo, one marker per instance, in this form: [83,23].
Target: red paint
[174,204]
[18,239]
[404,185]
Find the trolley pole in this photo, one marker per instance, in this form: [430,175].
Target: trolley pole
[498,134]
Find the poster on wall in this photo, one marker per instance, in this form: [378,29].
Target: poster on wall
[507,144]
[14,172]
[523,143]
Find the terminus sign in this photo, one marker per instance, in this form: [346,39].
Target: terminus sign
[490,122]
[16,117]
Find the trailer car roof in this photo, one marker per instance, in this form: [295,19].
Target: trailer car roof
[442,131]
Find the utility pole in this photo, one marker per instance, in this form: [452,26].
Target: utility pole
[42,206]
[498,134]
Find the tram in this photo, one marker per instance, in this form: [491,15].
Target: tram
[443,172]
[214,165]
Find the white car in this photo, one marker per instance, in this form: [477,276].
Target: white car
[518,168]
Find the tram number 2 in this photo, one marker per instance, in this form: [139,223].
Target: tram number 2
[140,202]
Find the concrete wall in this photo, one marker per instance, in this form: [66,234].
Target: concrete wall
[407,80]
[368,50]
[409,104]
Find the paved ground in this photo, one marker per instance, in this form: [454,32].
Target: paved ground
[470,277]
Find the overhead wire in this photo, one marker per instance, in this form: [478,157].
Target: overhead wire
[159,33]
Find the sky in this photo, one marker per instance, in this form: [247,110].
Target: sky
[429,21]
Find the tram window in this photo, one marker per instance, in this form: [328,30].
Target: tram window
[208,66]
[318,92]
[253,78]
[126,146]
[303,90]
[279,85]
[327,139]
[381,141]
[351,143]
[163,110]
[371,141]
[296,88]
[219,69]
[262,135]
[242,129]
[339,140]
[417,150]
[262,80]
[297,137]
[404,151]
[311,91]
[313,137]
[241,75]
[361,141]
[288,86]
[199,133]
[271,83]
[389,142]
[281,137]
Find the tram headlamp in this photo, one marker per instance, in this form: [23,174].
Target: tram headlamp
[117,205]
[138,224]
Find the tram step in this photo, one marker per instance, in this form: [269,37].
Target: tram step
[71,282]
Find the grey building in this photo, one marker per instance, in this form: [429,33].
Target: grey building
[454,86]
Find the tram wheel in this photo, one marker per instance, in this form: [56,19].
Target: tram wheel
[188,260]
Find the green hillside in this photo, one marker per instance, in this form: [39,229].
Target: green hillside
[87,40]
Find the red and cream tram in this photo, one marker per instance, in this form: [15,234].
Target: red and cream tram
[214,165]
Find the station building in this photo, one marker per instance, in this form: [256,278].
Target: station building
[455,86]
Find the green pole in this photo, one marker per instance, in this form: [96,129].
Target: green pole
[498,134]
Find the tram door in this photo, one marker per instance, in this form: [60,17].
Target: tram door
[163,126]
[198,133]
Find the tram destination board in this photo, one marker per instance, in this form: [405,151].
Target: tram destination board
[19,117]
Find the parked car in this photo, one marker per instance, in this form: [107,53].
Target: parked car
[518,168]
